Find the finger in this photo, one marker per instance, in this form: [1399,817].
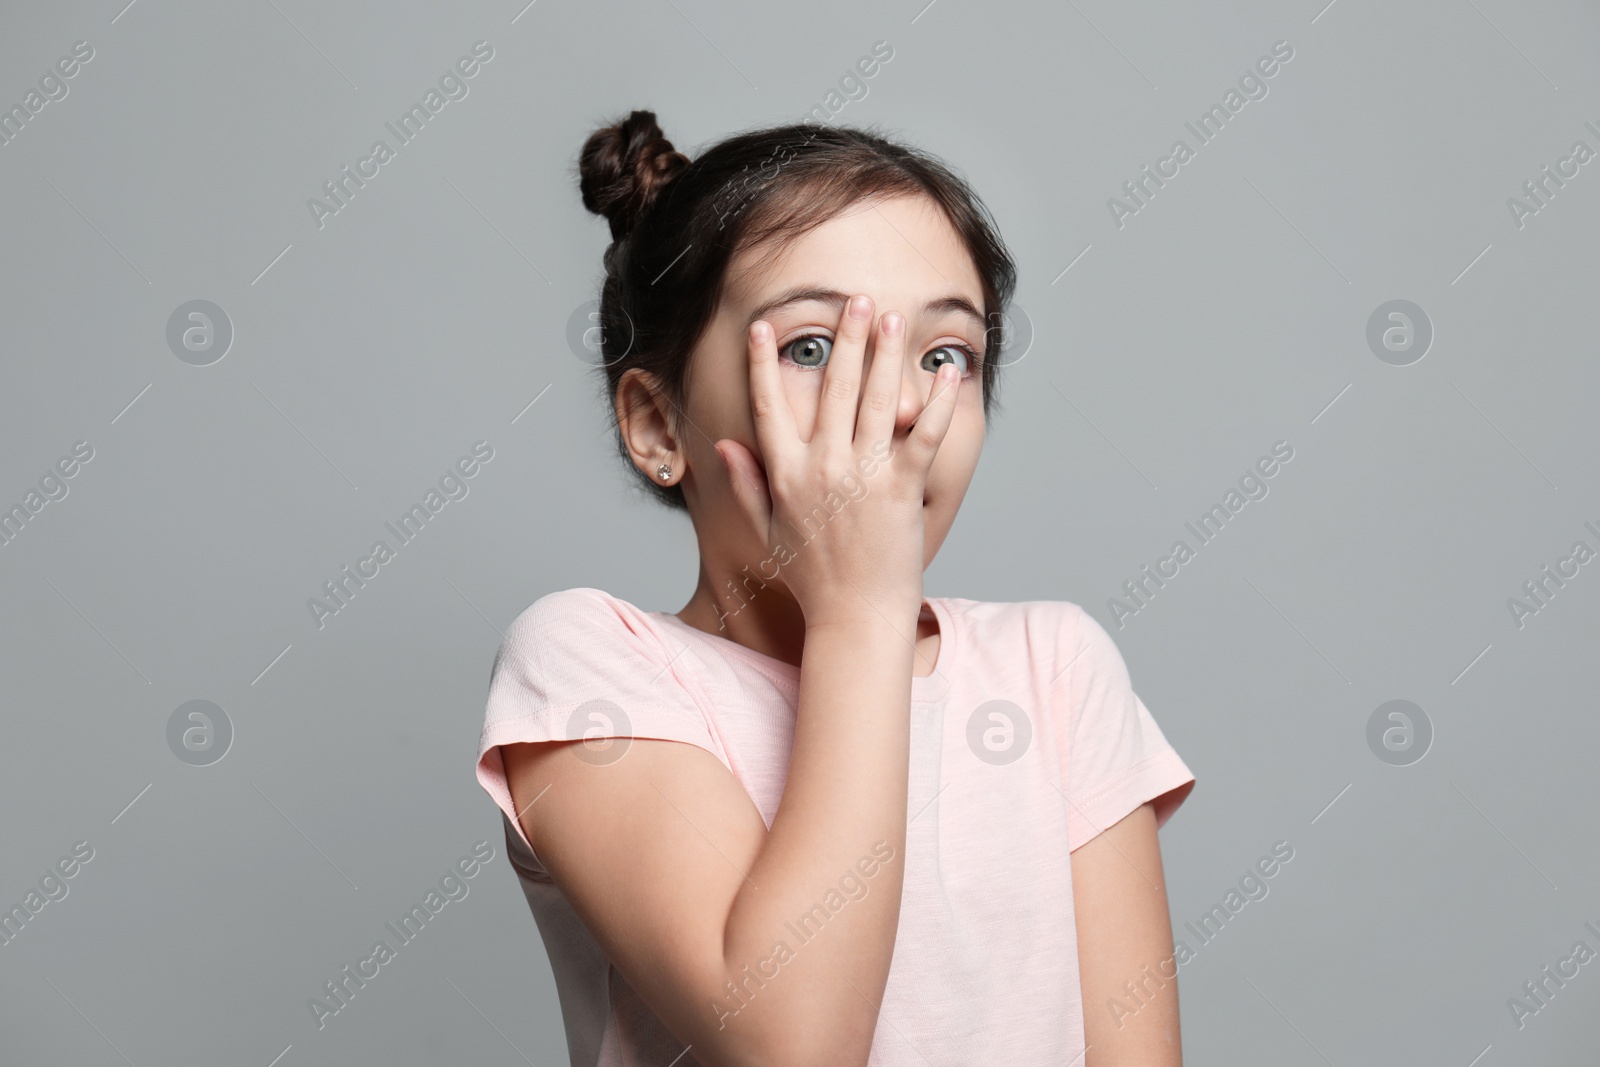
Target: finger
[922,442]
[880,399]
[841,383]
[748,482]
[769,402]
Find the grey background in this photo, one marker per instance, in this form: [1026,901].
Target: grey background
[370,354]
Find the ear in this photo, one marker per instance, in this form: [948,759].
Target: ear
[646,418]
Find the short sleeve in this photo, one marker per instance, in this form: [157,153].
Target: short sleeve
[579,663]
[1116,756]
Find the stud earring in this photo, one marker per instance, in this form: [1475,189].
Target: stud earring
[665,472]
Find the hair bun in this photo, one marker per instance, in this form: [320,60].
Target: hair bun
[624,167]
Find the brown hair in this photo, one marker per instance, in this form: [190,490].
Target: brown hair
[676,225]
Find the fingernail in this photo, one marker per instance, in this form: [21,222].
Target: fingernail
[893,323]
[860,307]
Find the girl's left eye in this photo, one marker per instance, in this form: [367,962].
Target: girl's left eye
[968,359]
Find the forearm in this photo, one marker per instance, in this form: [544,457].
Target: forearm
[842,817]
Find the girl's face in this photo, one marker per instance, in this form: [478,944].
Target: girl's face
[903,254]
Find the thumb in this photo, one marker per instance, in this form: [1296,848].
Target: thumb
[748,482]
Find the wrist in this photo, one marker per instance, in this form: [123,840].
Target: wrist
[866,619]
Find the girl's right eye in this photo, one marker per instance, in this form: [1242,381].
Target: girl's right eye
[809,352]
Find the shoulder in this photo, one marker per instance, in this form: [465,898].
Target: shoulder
[582,606]
[579,602]
[1042,627]
[1058,639]
[562,621]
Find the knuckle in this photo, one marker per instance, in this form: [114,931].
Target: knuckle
[925,438]
[762,405]
[832,458]
[839,387]
[877,401]
[907,489]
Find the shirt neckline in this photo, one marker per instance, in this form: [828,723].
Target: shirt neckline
[925,688]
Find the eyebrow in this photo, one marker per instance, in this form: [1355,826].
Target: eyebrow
[801,294]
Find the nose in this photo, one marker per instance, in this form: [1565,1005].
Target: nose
[915,387]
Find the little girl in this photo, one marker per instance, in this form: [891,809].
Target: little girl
[815,816]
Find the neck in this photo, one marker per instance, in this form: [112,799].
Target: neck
[765,618]
[745,608]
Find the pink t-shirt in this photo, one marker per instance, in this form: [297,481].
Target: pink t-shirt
[1026,741]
